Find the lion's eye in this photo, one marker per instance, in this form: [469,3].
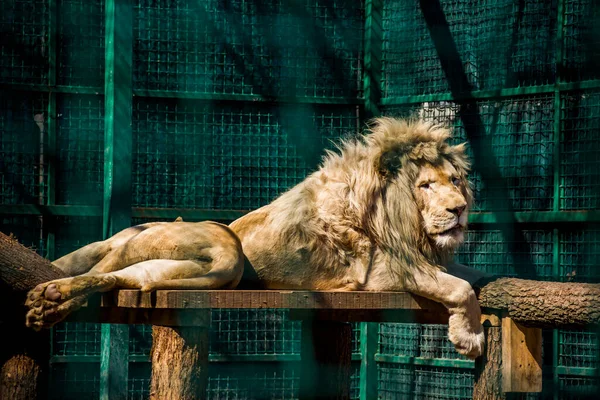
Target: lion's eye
[424,185]
[456,181]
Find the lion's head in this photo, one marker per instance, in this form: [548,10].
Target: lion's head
[408,188]
[424,179]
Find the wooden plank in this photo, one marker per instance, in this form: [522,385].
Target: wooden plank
[252,299]
[521,358]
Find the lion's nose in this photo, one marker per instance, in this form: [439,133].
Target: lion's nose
[457,210]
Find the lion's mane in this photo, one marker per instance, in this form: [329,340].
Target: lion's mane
[361,198]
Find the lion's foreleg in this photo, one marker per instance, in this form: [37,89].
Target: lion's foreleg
[457,295]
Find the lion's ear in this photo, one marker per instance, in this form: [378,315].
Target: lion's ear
[390,162]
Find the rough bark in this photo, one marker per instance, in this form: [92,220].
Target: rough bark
[179,363]
[488,377]
[326,360]
[544,304]
[21,268]
[24,357]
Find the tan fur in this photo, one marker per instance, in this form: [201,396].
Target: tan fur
[385,212]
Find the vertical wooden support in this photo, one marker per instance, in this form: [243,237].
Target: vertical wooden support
[369,336]
[326,360]
[180,360]
[117,174]
[488,372]
[372,57]
[521,357]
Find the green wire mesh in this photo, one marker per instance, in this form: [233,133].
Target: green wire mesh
[24,177]
[24,41]
[226,156]
[25,229]
[582,40]
[80,148]
[580,144]
[579,254]
[75,381]
[272,48]
[406,381]
[416,340]
[520,131]
[501,43]
[81,43]
[489,251]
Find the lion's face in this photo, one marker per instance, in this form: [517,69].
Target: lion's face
[441,195]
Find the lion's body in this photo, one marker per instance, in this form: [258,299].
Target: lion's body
[385,213]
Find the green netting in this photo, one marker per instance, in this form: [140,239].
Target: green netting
[81,43]
[140,340]
[138,384]
[582,40]
[76,339]
[75,381]
[226,156]
[270,48]
[26,229]
[489,251]
[580,145]
[502,43]
[23,171]
[520,133]
[578,349]
[414,382]
[253,332]
[80,149]
[579,252]
[416,340]
[73,233]
[23,41]
[578,388]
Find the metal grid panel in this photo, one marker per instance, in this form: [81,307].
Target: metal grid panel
[489,251]
[24,41]
[26,229]
[23,175]
[578,349]
[580,145]
[138,383]
[582,40]
[76,339]
[75,381]
[80,148]
[578,388]
[416,340]
[414,382]
[253,332]
[140,340]
[502,44]
[520,134]
[579,254]
[72,233]
[280,381]
[308,48]
[81,43]
[226,156]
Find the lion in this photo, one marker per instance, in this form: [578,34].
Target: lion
[385,212]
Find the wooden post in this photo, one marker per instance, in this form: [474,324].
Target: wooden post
[488,372]
[521,357]
[180,360]
[326,360]
[25,355]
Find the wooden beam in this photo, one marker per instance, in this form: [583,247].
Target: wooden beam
[521,358]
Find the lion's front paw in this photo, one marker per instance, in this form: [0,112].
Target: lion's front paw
[468,338]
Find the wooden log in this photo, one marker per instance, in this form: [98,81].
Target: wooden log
[544,304]
[24,358]
[326,355]
[180,361]
[488,378]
